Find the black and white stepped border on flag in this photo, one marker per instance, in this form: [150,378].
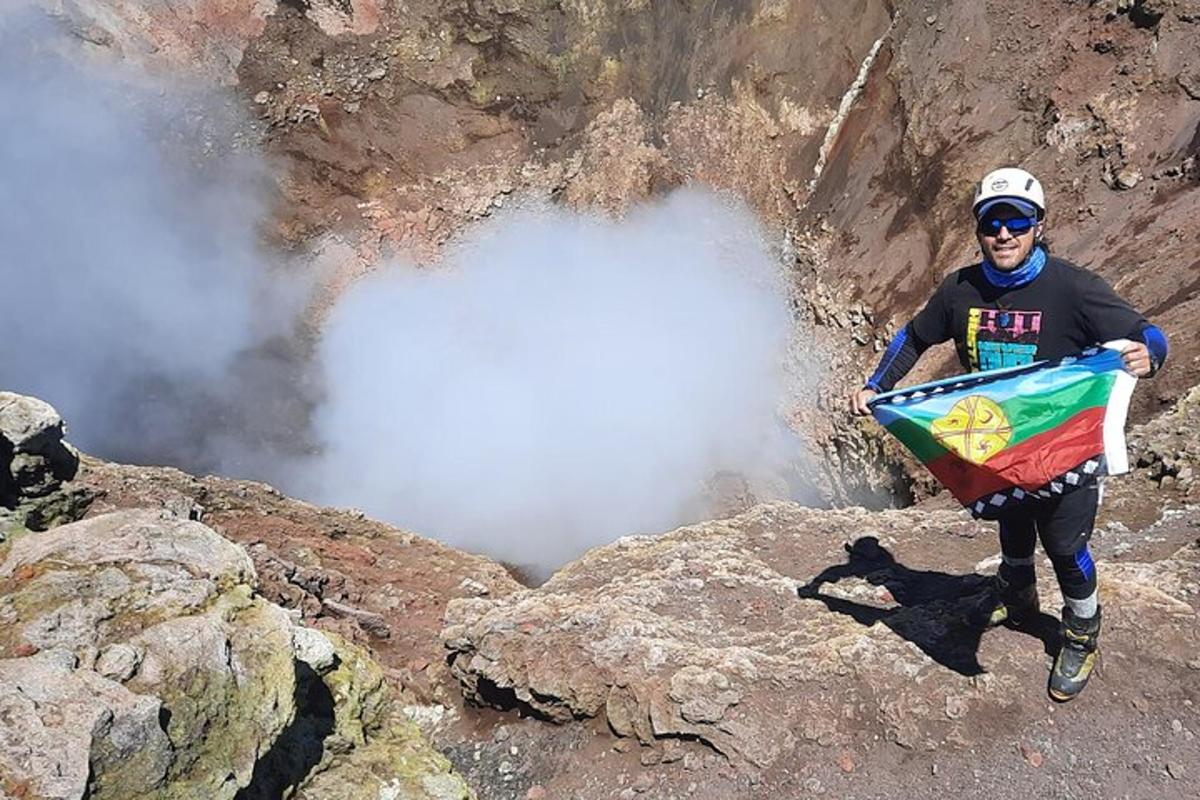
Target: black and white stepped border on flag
[1076,478]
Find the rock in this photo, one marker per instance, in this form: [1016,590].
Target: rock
[35,462]
[643,783]
[118,662]
[25,649]
[69,734]
[30,474]
[1127,178]
[314,648]
[372,748]
[369,621]
[129,542]
[1190,83]
[474,587]
[29,425]
[703,695]
[683,673]
[441,786]
[141,664]
[614,636]
[956,707]
[194,645]
[1164,446]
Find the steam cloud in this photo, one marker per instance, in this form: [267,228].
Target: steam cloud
[137,298]
[561,381]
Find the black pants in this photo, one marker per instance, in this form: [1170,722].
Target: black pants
[1064,525]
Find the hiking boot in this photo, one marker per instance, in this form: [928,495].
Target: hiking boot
[1075,661]
[1006,603]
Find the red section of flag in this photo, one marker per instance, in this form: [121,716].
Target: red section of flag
[1031,464]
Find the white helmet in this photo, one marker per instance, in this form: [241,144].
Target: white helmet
[1009,184]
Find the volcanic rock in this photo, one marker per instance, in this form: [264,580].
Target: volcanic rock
[782,626]
[1167,447]
[136,661]
[343,573]
[34,464]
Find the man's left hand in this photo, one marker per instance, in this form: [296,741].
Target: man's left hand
[1137,359]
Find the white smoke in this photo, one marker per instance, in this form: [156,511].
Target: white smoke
[557,382]
[135,290]
[560,381]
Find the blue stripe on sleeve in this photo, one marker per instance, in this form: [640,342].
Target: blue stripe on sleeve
[1156,343]
[889,355]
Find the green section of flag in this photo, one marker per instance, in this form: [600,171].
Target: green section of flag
[917,437]
[1028,416]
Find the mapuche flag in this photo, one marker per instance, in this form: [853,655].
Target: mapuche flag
[1017,435]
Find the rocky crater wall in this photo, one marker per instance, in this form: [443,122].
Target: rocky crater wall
[395,130]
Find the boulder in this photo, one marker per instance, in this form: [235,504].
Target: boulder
[136,661]
[30,425]
[153,617]
[35,462]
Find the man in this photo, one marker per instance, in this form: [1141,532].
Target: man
[1017,306]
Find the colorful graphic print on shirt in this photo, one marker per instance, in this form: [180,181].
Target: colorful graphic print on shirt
[1001,337]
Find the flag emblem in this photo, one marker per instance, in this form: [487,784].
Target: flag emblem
[976,429]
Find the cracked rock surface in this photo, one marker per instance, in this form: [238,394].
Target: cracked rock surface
[136,661]
[787,630]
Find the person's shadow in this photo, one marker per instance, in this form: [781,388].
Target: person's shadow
[940,613]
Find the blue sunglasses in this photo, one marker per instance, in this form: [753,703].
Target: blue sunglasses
[990,226]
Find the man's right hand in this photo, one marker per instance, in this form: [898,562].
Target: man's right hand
[859,400]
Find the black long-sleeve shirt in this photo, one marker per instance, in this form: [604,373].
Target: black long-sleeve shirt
[1062,311]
